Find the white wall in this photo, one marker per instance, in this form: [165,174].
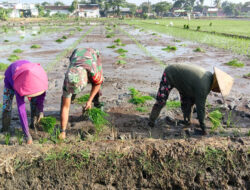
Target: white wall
[52,12]
[89,13]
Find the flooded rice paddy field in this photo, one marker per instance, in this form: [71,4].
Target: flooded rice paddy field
[145,63]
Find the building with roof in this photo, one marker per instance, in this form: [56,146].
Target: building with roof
[57,10]
[87,11]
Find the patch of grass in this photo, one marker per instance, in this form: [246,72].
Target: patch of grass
[214,157]
[13,58]
[198,49]
[59,40]
[35,46]
[7,138]
[137,98]
[113,46]
[235,63]
[3,66]
[215,118]
[173,104]
[48,124]
[18,51]
[6,41]
[121,62]
[170,48]
[83,99]
[121,51]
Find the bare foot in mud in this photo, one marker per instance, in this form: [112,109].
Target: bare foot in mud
[62,135]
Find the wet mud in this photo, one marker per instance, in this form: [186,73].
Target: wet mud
[128,154]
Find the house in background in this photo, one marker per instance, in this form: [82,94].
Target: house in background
[87,11]
[213,12]
[123,12]
[57,10]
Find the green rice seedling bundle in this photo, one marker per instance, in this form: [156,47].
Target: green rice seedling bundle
[97,116]
[235,63]
[137,98]
[215,118]
[59,40]
[13,58]
[169,48]
[121,62]
[35,46]
[113,46]
[18,51]
[83,99]
[48,124]
[121,51]
[3,66]
[173,104]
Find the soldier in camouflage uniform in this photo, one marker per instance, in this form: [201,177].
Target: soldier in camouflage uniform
[85,67]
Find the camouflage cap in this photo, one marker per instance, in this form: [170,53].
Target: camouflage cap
[75,80]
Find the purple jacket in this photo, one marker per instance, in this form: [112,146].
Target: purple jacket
[8,83]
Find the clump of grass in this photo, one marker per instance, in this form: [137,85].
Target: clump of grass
[215,118]
[18,51]
[3,66]
[173,104]
[121,51]
[6,41]
[113,46]
[235,63]
[169,48]
[13,58]
[35,46]
[121,62]
[137,98]
[198,49]
[48,124]
[59,40]
[65,37]
[7,138]
[97,116]
[83,99]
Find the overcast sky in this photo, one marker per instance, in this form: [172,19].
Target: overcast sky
[138,2]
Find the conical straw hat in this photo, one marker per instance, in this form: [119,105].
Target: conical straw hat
[224,81]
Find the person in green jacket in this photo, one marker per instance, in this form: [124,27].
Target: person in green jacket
[193,83]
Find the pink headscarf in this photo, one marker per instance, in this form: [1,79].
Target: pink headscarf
[29,79]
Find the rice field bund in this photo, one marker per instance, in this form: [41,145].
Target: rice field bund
[114,147]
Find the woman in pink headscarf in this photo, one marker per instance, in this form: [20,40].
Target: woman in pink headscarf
[24,79]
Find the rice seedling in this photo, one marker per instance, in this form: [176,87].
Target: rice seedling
[35,46]
[43,140]
[198,28]
[113,46]
[142,109]
[22,27]
[198,49]
[6,41]
[64,37]
[122,56]
[110,35]
[3,66]
[19,135]
[13,58]
[137,98]
[18,51]
[118,40]
[154,34]
[173,104]
[215,118]
[7,138]
[229,119]
[121,62]
[59,40]
[169,48]
[121,51]
[186,26]
[175,40]
[48,124]
[79,29]
[235,63]
[83,99]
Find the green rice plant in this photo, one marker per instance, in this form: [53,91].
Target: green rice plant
[120,44]
[7,138]
[198,49]
[175,40]
[97,116]
[48,124]
[110,35]
[215,118]
[154,34]
[22,27]
[169,48]
[121,62]
[113,46]
[55,137]
[3,66]
[19,135]
[229,119]
[235,63]
[18,51]
[118,40]
[173,104]
[83,99]
[59,40]
[6,41]
[35,46]
[43,140]
[122,56]
[121,51]
[137,98]
[198,28]
[210,24]
[64,37]
[13,58]
[141,109]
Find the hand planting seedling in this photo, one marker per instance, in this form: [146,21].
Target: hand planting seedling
[121,51]
[18,51]
[169,48]
[35,46]
[3,66]
[235,63]
[13,58]
[215,118]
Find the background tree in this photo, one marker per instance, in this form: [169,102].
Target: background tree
[145,7]
[59,3]
[4,13]
[161,7]
[132,7]
[41,10]
[74,6]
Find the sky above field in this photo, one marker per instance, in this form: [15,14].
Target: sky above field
[138,2]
